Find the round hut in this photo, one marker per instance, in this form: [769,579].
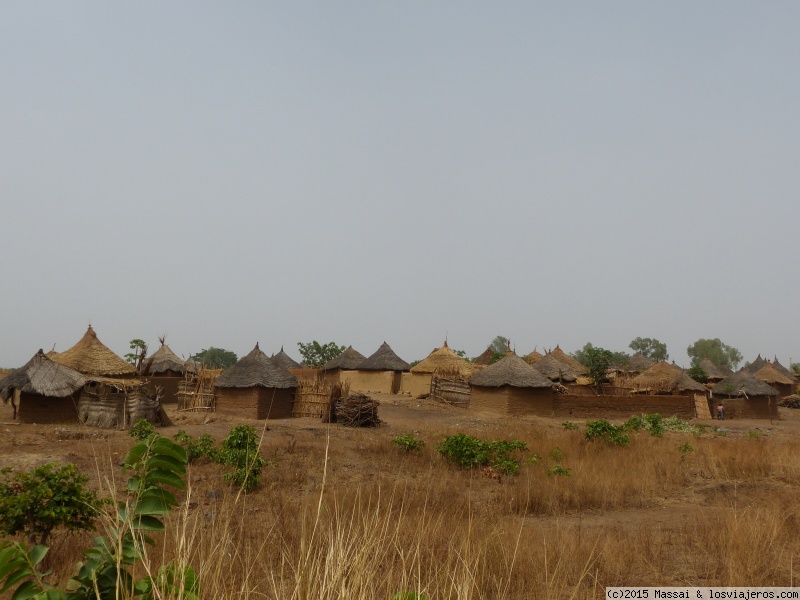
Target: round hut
[91,357]
[534,356]
[284,360]
[555,370]
[334,369]
[570,362]
[638,363]
[443,362]
[776,380]
[746,397]
[714,373]
[43,391]
[165,369]
[663,378]
[511,387]
[755,366]
[788,372]
[485,357]
[256,388]
[379,373]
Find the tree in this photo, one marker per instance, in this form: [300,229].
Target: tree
[598,361]
[697,374]
[315,354]
[716,351]
[41,500]
[618,359]
[650,347]
[138,354]
[795,367]
[499,348]
[216,358]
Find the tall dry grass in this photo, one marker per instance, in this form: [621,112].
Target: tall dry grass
[351,517]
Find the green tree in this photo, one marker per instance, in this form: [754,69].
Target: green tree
[138,352]
[716,351]
[48,497]
[315,354]
[216,358]
[697,374]
[618,359]
[598,361]
[795,367]
[650,347]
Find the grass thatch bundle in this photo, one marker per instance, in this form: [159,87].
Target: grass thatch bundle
[511,370]
[384,359]
[44,377]
[346,361]
[90,357]
[664,378]
[357,410]
[256,369]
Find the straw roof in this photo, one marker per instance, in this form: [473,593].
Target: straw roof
[284,360]
[384,359]
[638,363]
[256,369]
[443,359]
[769,374]
[743,383]
[664,377]
[756,365]
[347,360]
[565,358]
[42,376]
[713,371]
[485,358]
[554,369]
[90,357]
[163,360]
[190,365]
[788,372]
[532,357]
[510,370]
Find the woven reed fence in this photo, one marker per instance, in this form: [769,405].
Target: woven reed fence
[316,398]
[118,405]
[196,393]
[450,390]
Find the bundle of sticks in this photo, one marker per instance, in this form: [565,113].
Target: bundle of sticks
[792,401]
[357,410]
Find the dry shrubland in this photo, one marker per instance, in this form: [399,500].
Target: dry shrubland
[342,513]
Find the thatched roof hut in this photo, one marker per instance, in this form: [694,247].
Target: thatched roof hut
[788,372]
[638,363]
[284,360]
[510,370]
[164,362]
[714,372]
[383,359]
[532,357]
[256,387]
[756,365]
[43,391]
[90,357]
[565,358]
[743,383]
[443,360]
[511,386]
[554,369]
[346,361]
[665,378]
[113,402]
[485,357]
[747,396]
[776,380]
[190,366]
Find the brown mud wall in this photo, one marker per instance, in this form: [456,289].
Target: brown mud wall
[255,403]
[33,408]
[609,407]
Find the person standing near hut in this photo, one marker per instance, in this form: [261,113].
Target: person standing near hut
[720,412]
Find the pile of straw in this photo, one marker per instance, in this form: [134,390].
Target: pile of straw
[357,410]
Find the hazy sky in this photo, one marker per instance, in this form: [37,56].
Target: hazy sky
[278,172]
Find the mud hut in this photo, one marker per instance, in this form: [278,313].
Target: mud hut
[555,370]
[511,387]
[256,388]
[380,372]
[570,362]
[746,397]
[776,380]
[788,372]
[284,360]
[664,378]
[43,391]
[91,357]
[165,370]
[336,370]
[442,360]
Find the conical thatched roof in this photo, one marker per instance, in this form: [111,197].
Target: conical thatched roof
[769,374]
[190,365]
[254,370]
[284,360]
[554,369]
[565,358]
[666,378]
[714,372]
[163,360]
[756,365]
[532,357]
[443,360]
[743,383]
[384,359]
[511,370]
[638,363]
[90,357]
[42,376]
[788,372]
[52,352]
[485,358]
[347,360]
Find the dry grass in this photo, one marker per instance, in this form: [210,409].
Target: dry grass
[352,517]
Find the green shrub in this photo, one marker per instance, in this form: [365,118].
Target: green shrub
[570,426]
[202,447]
[240,451]
[556,453]
[469,452]
[559,471]
[685,448]
[141,429]
[408,443]
[603,430]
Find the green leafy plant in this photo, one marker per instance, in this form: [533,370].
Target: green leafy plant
[44,499]
[685,448]
[469,452]
[142,429]
[603,430]
[570,426]
[533,459]
[559,471]
[240,451]
[315,354]
[202,447]
[408,443]
[556,453]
